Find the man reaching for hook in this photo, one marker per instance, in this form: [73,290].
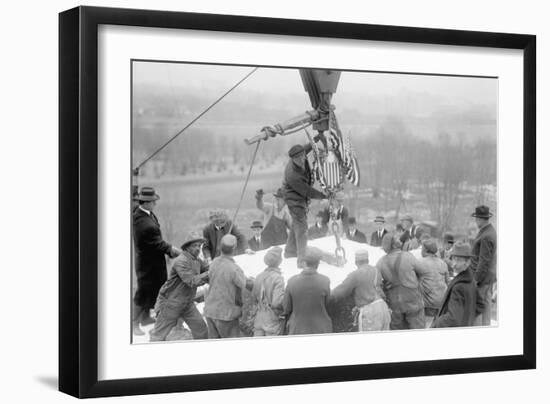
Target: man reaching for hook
[298,190]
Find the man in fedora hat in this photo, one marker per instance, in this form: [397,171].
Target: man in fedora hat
[176,296]
[150,263]
[256,243]
[219,226]
[276,218]
[298,191]
[319,229]
[377,236]
[458,308]
[484,262]
[224,301]
[353,234]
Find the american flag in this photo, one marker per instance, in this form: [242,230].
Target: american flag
[342,144]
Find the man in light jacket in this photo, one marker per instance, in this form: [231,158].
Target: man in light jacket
[433,279]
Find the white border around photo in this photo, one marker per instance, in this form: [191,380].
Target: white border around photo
[119,359]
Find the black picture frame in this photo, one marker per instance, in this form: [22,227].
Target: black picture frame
[78,200]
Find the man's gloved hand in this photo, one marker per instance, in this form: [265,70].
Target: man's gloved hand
[259,194]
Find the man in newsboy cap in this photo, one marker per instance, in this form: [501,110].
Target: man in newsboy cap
[224,301]
[298,191]
[484,262]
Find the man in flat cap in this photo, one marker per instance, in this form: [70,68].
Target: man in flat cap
[150,263]
[306,298]
[377,236]
[484,262]
[400,271]
[410,239]
[224,301]
[298,190]
[219,226]
[365,285]
[176,296]
[276,218]
[458,308]
[433,279]
[353,234]
[268,294]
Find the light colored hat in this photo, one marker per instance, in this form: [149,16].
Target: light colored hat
[192,237]
[313,255]
[362,255]
[461,250]
[430,245]
[273,257]
[229,240]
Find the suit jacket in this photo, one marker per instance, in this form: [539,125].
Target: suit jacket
[342,215]
[375,240]
[459,304]
[315,232]
[211,247]
[358,237]
[306,299]
[255,245]
[150,263]
[484,260]
[413,232]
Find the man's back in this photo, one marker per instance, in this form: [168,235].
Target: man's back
[306,300]
[224,298]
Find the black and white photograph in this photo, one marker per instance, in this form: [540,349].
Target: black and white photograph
[284,201]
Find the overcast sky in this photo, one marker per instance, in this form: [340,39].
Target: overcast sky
[280,81]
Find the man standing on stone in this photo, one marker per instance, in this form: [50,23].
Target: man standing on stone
[224,301]
[176,296]
[484,263]
[298,191]
[365,285]
[150,263]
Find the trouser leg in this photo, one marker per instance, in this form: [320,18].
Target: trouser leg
[223,328]
[483,309]
[167,318]
[259,332]
[195,321]
[137,313]
[299,230]
[397,321]
[290,247]
[212,328]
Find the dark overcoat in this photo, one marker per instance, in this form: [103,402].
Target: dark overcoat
[459,303]
[484,260]
[254,245]
[211,247]
[305,303]
[150,249]
[376,241]
[358,237]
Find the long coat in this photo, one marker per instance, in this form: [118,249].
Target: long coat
[375,240]
[484,260]
[211,247]
[306,299]
[150,249]
[459,304]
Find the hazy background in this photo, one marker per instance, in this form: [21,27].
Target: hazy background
[426,145]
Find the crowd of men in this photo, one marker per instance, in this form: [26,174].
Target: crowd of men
[450,286]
